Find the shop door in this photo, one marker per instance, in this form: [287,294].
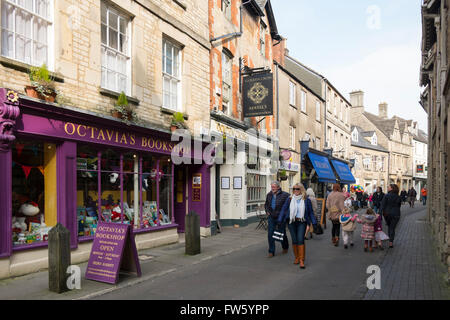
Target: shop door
[180,196]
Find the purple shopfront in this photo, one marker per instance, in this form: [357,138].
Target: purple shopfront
[76,168]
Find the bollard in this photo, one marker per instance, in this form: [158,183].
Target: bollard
[192,235]
[58,258]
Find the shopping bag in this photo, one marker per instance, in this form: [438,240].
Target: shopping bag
[278,235]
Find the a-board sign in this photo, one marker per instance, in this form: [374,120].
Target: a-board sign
[113,250]
[321,209]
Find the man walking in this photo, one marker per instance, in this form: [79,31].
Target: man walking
[274,203]
[424,195]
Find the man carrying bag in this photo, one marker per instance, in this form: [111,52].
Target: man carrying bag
[274,203]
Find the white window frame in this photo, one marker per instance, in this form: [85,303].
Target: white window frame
[292,137]
[34,15]
[292,93]
[318,111]
[355,135]
[374,140]
[303,101]
[118,54]
[227,81]
[174,78]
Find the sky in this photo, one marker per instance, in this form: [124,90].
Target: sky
[368,45]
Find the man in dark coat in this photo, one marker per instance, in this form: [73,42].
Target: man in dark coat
[377,197]
[274,204]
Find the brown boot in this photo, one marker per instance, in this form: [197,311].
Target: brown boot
[337,242]
[333,240]
[301,249]
[295,248]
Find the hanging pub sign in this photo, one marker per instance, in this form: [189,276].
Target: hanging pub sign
[258,95]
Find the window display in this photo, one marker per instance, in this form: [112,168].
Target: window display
[33,191]
[128,185]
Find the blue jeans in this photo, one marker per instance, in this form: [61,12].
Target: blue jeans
[297,230]
[272,225]
[424,200]
[375,208]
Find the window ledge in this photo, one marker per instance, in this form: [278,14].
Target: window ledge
[25,67]
[171,112]
[113,94]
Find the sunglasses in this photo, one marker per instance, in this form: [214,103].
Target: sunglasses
[296,189]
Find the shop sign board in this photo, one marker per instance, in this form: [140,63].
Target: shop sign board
[114,250]
[258,95]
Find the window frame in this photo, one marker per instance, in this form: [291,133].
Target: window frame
[303,101]
[177,78]
[292,93]
[50,33]
[318,111]
[106,48]
[227,66]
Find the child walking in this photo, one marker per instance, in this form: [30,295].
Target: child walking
[380,236]
[368,220]
[348,226]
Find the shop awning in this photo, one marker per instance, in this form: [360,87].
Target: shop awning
[343,171]
[322,167]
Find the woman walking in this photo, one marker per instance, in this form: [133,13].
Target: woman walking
[377,198]
[298,212]
[390,208]
[335,206]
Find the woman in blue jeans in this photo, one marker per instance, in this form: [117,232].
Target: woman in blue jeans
[298,212]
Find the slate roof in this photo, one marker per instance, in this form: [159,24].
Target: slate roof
[302,73]
[363,143]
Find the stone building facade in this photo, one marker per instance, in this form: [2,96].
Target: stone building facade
[155,51]
[302,111]
[434,78]
[393,134]
[242,35]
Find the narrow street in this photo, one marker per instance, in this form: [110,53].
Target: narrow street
[409,271]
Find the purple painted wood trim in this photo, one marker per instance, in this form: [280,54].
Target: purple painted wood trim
[140,193]
[66,167]
[121,188]
[158,178]
[99,188]
[6,203]
[173,193]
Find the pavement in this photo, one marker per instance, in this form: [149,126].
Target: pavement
[233,265]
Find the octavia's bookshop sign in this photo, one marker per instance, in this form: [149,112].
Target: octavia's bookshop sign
[113,250]
[258,95]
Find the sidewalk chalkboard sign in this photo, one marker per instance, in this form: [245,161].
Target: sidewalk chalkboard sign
[321,209]
[113,250]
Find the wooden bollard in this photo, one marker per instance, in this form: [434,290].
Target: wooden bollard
[192,235]
[58,258]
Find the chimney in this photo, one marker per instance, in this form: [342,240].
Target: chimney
[280,51]
[383,110]
[357,99]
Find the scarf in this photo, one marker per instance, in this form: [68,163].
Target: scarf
[294,206]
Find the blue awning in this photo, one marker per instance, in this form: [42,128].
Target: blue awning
[322,167]
[343,171]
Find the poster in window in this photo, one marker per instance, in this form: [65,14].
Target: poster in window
[237,182]
[225,183]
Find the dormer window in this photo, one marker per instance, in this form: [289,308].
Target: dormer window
[374,140]
[355,135]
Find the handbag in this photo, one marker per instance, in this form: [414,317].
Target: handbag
[278,235]
[318,229]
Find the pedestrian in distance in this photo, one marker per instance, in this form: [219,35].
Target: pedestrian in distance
[390,208]
[298,213]
[380,236]
[275,200]
[311,196]
[348,225]
[377,198]
[368,228]
[404,196]
[412,194]
[424,195]
[335,206]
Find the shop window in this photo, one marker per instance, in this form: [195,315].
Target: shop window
[129,185]
[33,191]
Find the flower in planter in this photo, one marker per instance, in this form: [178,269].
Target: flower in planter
[123,110]
[178,120]
[42,82]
